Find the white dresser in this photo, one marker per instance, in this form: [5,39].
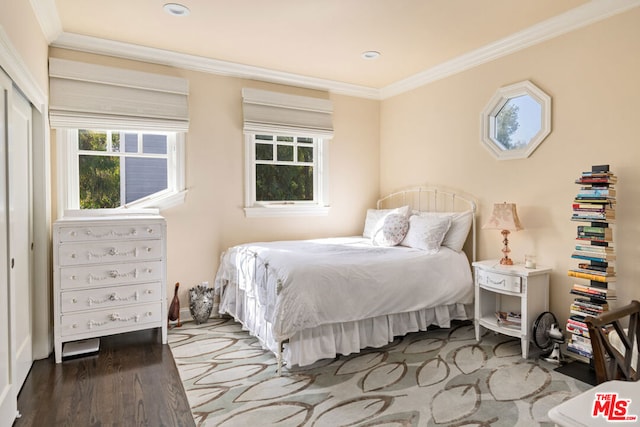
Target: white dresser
[109,276]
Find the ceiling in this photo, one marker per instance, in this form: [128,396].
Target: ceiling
[319,42]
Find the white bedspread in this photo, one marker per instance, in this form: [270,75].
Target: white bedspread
[304,284]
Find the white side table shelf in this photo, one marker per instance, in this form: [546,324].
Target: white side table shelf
[509,288]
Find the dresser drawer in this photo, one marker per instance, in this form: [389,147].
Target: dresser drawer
[99,298]
[111,274]
[80,233]
[499,281]
[106,252]
[111,320]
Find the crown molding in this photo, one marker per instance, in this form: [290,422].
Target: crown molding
[48,18]
[589,13]
[206,65]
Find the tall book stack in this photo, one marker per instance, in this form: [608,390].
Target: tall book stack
[594,276]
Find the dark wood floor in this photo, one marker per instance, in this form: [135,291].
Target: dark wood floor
[132,381]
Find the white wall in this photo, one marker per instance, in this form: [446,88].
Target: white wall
[432,134]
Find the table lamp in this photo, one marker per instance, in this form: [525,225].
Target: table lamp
[504,218]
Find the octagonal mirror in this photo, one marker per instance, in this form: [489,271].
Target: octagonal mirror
[516,121]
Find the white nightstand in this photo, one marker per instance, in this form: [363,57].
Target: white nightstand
[510,288]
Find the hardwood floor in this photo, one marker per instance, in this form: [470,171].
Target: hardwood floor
[132,381]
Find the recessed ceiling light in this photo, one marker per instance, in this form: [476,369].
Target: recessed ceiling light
[176,9]
[371,54]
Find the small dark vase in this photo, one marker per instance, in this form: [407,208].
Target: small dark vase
[174,308]
[201,302]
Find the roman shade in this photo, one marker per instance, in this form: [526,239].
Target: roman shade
[272,112]
[90,96]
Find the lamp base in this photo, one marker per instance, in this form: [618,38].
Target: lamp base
[506,261]
[505,250]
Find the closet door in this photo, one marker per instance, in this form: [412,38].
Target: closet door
[19,151]
[8,391]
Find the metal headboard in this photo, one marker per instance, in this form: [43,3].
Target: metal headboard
[434,199]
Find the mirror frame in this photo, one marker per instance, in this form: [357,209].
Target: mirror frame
[501,97]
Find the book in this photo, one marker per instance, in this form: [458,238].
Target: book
[594,248]
[581,340]
[599,169]
[594,211]
[575,330]
[605,234]
[596,272]
[594,241]
[593,290]
[595,267]
[578,351]
[577,323]
[509,318]
[589,276]
[606,255]
[610,179]
[593,200]
[593,229]
[591,257]
[597,192]
[588,303]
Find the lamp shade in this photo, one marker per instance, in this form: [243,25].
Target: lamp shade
[504,217]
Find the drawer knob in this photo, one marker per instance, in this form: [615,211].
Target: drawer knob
[150,230]
[73,255]
[112,251]
[74,277]
[113,273]
[148,249]
[74,300]
[148,292]
[73,234]
[74,326]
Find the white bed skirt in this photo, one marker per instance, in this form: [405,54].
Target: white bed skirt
[327,341]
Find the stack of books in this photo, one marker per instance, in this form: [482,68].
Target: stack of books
[594,252]
[509,319]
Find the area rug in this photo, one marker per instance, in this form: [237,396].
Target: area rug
[433,378]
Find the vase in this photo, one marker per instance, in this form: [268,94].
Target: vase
[201,302]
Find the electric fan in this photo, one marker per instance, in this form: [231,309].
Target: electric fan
[547,337]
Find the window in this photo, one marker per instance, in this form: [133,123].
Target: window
[285,172]
[286,153]
[109,169]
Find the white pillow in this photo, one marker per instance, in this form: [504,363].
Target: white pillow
[426,232]
[375,219]
[393,230]
[459,230]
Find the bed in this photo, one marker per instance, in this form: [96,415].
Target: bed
[314,299]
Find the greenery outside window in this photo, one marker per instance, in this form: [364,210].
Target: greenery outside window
[286,175]
[108,169]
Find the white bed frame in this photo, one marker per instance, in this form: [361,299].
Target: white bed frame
[435,199]
[423,198]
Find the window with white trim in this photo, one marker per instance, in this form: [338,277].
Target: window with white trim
[120,136]
[286,171]
[286,153]
[107,169]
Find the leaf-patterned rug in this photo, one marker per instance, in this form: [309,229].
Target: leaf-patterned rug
[433,378]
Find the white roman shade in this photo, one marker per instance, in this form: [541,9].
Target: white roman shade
[272,112]
[90,96]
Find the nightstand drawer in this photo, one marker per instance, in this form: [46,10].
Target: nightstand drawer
[504,282]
